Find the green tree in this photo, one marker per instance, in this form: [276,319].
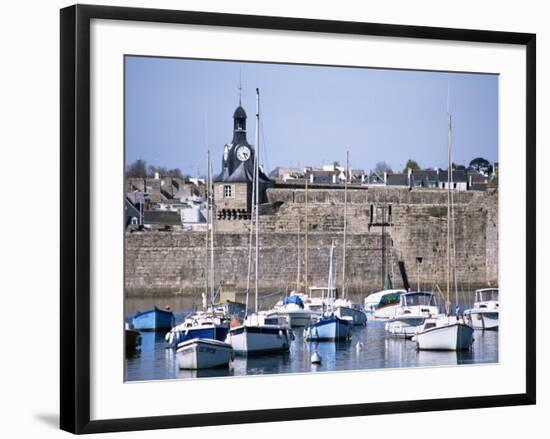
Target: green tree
[458,167]
[480,164]
[411,164]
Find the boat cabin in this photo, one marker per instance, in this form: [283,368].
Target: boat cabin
[418,298]
[487,295]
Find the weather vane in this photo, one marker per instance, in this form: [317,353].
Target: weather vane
[240,87]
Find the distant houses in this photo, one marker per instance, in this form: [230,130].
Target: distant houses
[164,203]
[335,175]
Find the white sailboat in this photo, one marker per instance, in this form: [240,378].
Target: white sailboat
[344,307]
[211,323]
[203,353]
[485,313]
[446,332]
[260,333]
[293,309]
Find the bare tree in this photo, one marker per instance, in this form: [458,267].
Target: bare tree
[382,167]
[138,169]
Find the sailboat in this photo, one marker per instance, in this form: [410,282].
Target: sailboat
[294,308]
[329,326]
[344,307]
[211,323]
[260,333]
[446,332]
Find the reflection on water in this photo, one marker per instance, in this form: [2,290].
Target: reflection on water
[369,348]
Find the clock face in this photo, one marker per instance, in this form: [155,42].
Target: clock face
[243,153]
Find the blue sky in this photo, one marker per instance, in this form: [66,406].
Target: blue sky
[310,114]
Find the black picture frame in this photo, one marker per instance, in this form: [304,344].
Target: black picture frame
[75,217]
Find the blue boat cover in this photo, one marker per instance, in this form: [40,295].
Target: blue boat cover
[293,299]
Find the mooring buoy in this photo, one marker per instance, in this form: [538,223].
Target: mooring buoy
[315,358]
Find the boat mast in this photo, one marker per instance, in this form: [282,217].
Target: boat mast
[345,227]
[257,195]
[453,241]
[211,204]
[330,277]
[449,171]
[251,234]
[305,243]
[207,260]
[298,283]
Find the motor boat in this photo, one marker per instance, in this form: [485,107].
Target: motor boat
[388,302]
[414,308]
[485,313]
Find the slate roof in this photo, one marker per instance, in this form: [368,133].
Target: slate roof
[165,217]
[397,180]
[322,177]
[245,173]
[239,113]
[459,176]
[374,178]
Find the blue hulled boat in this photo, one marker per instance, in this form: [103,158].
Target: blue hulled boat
[208,328]
[329,327]
[153,320]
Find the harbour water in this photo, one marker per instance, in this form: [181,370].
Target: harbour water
[369,348]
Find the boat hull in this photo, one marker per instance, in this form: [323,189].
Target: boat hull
[483,319]
[210,332]
[404,327]
[251,340]
[329,328]
[359,317]
[295,318]
[132,340]
[203,354]
[153,320]
[451,337]
[385,312]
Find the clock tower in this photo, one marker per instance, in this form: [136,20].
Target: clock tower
[233,186]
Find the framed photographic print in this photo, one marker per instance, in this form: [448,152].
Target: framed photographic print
[271,218]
